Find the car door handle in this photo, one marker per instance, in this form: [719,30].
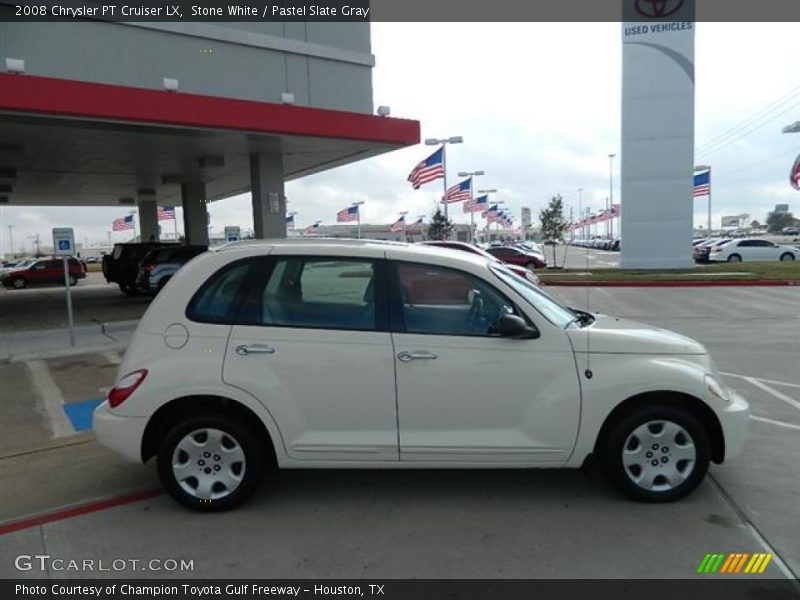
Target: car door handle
[416,355]
[244,350]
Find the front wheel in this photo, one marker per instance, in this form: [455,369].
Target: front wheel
[128,289]
[19,283]
[656,453]
[73,281]
[211,462]
[734,258]
[787,256]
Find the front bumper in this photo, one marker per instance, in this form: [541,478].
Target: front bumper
[119,433]
[734,419]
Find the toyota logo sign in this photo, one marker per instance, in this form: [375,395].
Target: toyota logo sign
[656,9]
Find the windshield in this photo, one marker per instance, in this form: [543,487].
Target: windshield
[550,308]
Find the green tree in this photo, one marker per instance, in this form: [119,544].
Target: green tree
[755,225]
[440,228]
[778,220]
[553,222]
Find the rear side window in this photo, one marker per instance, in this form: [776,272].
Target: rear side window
[315,293]
[215,302]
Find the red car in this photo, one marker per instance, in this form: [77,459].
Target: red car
[43,270]
[463,246]
[517,256]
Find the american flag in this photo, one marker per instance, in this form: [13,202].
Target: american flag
[165,213]
[794,174]
[122,223]
[702,184]
[290,222]
[398,225]
[347,215]
[490,214]
[459,192]
[428,170]
[312,228]
[479,204]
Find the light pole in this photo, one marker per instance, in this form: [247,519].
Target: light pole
[707,168]
[580,198]
[472,175]
[456,139]
[358,215]
[11,240]
[610,200]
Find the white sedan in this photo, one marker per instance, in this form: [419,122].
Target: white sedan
[753,249]
[362,354]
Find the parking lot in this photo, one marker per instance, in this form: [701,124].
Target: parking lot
[450,524]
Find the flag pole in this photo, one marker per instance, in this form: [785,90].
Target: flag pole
[709,200]
[444,182]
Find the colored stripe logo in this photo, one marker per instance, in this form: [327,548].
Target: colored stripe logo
[736,562]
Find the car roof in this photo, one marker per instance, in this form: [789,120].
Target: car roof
[400,250]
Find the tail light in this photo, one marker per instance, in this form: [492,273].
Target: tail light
[126,386]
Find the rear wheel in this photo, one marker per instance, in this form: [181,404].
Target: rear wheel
[734,258]
[787,256]
[656,453]
[19,283]
[73,280]
[211,462]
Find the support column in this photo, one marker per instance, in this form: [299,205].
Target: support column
[148,219]
[269,202]
[195,213]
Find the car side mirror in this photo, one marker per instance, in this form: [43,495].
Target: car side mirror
[515,327]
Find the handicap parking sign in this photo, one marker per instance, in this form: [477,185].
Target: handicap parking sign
[63,241]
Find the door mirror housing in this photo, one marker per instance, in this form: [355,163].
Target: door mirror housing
[515,327]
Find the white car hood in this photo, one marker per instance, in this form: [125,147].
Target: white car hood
[612,335]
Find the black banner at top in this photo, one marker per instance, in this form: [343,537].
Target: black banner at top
[398,10]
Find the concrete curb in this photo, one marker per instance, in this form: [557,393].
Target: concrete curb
[63,352]
[723,283]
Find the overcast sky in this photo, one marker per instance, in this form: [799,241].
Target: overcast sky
[538,106]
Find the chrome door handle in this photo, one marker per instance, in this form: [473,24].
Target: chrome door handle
[244,350]
[416,355]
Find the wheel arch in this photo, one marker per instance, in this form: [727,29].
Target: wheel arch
[693,405]
[171,413]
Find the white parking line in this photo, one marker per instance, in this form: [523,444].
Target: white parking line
[772,381]
[778,423]
[774,392]
[51,398]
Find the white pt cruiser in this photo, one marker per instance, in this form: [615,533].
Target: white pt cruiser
[361,354]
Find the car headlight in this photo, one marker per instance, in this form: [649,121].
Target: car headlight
[716,388]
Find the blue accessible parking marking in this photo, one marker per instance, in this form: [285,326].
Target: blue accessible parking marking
[80,413]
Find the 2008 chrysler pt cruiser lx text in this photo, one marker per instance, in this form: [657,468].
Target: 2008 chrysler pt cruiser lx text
[327,353]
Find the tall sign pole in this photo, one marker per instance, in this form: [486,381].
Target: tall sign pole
[64,246]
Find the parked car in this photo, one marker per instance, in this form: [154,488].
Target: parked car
[701,251]
[790,231]
[122,265]
[158,266]
[523,272]
[518,256]
[752,249]
[316,354]
[43,270]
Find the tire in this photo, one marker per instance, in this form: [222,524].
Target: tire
[19,283]
[128,289]
[734,258]
[232,446]
[628,451]
[531,265]
[787,256]
[73,281]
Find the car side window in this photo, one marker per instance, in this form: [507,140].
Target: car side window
[315,293]
[215,302]
[441,301]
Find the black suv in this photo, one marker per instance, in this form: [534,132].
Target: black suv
[122,265]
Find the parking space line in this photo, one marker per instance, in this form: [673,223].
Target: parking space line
[51,398]
[772,391]
[76,511]
[772,381]
[772,422]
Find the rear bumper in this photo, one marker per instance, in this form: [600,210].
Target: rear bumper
[119,433]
